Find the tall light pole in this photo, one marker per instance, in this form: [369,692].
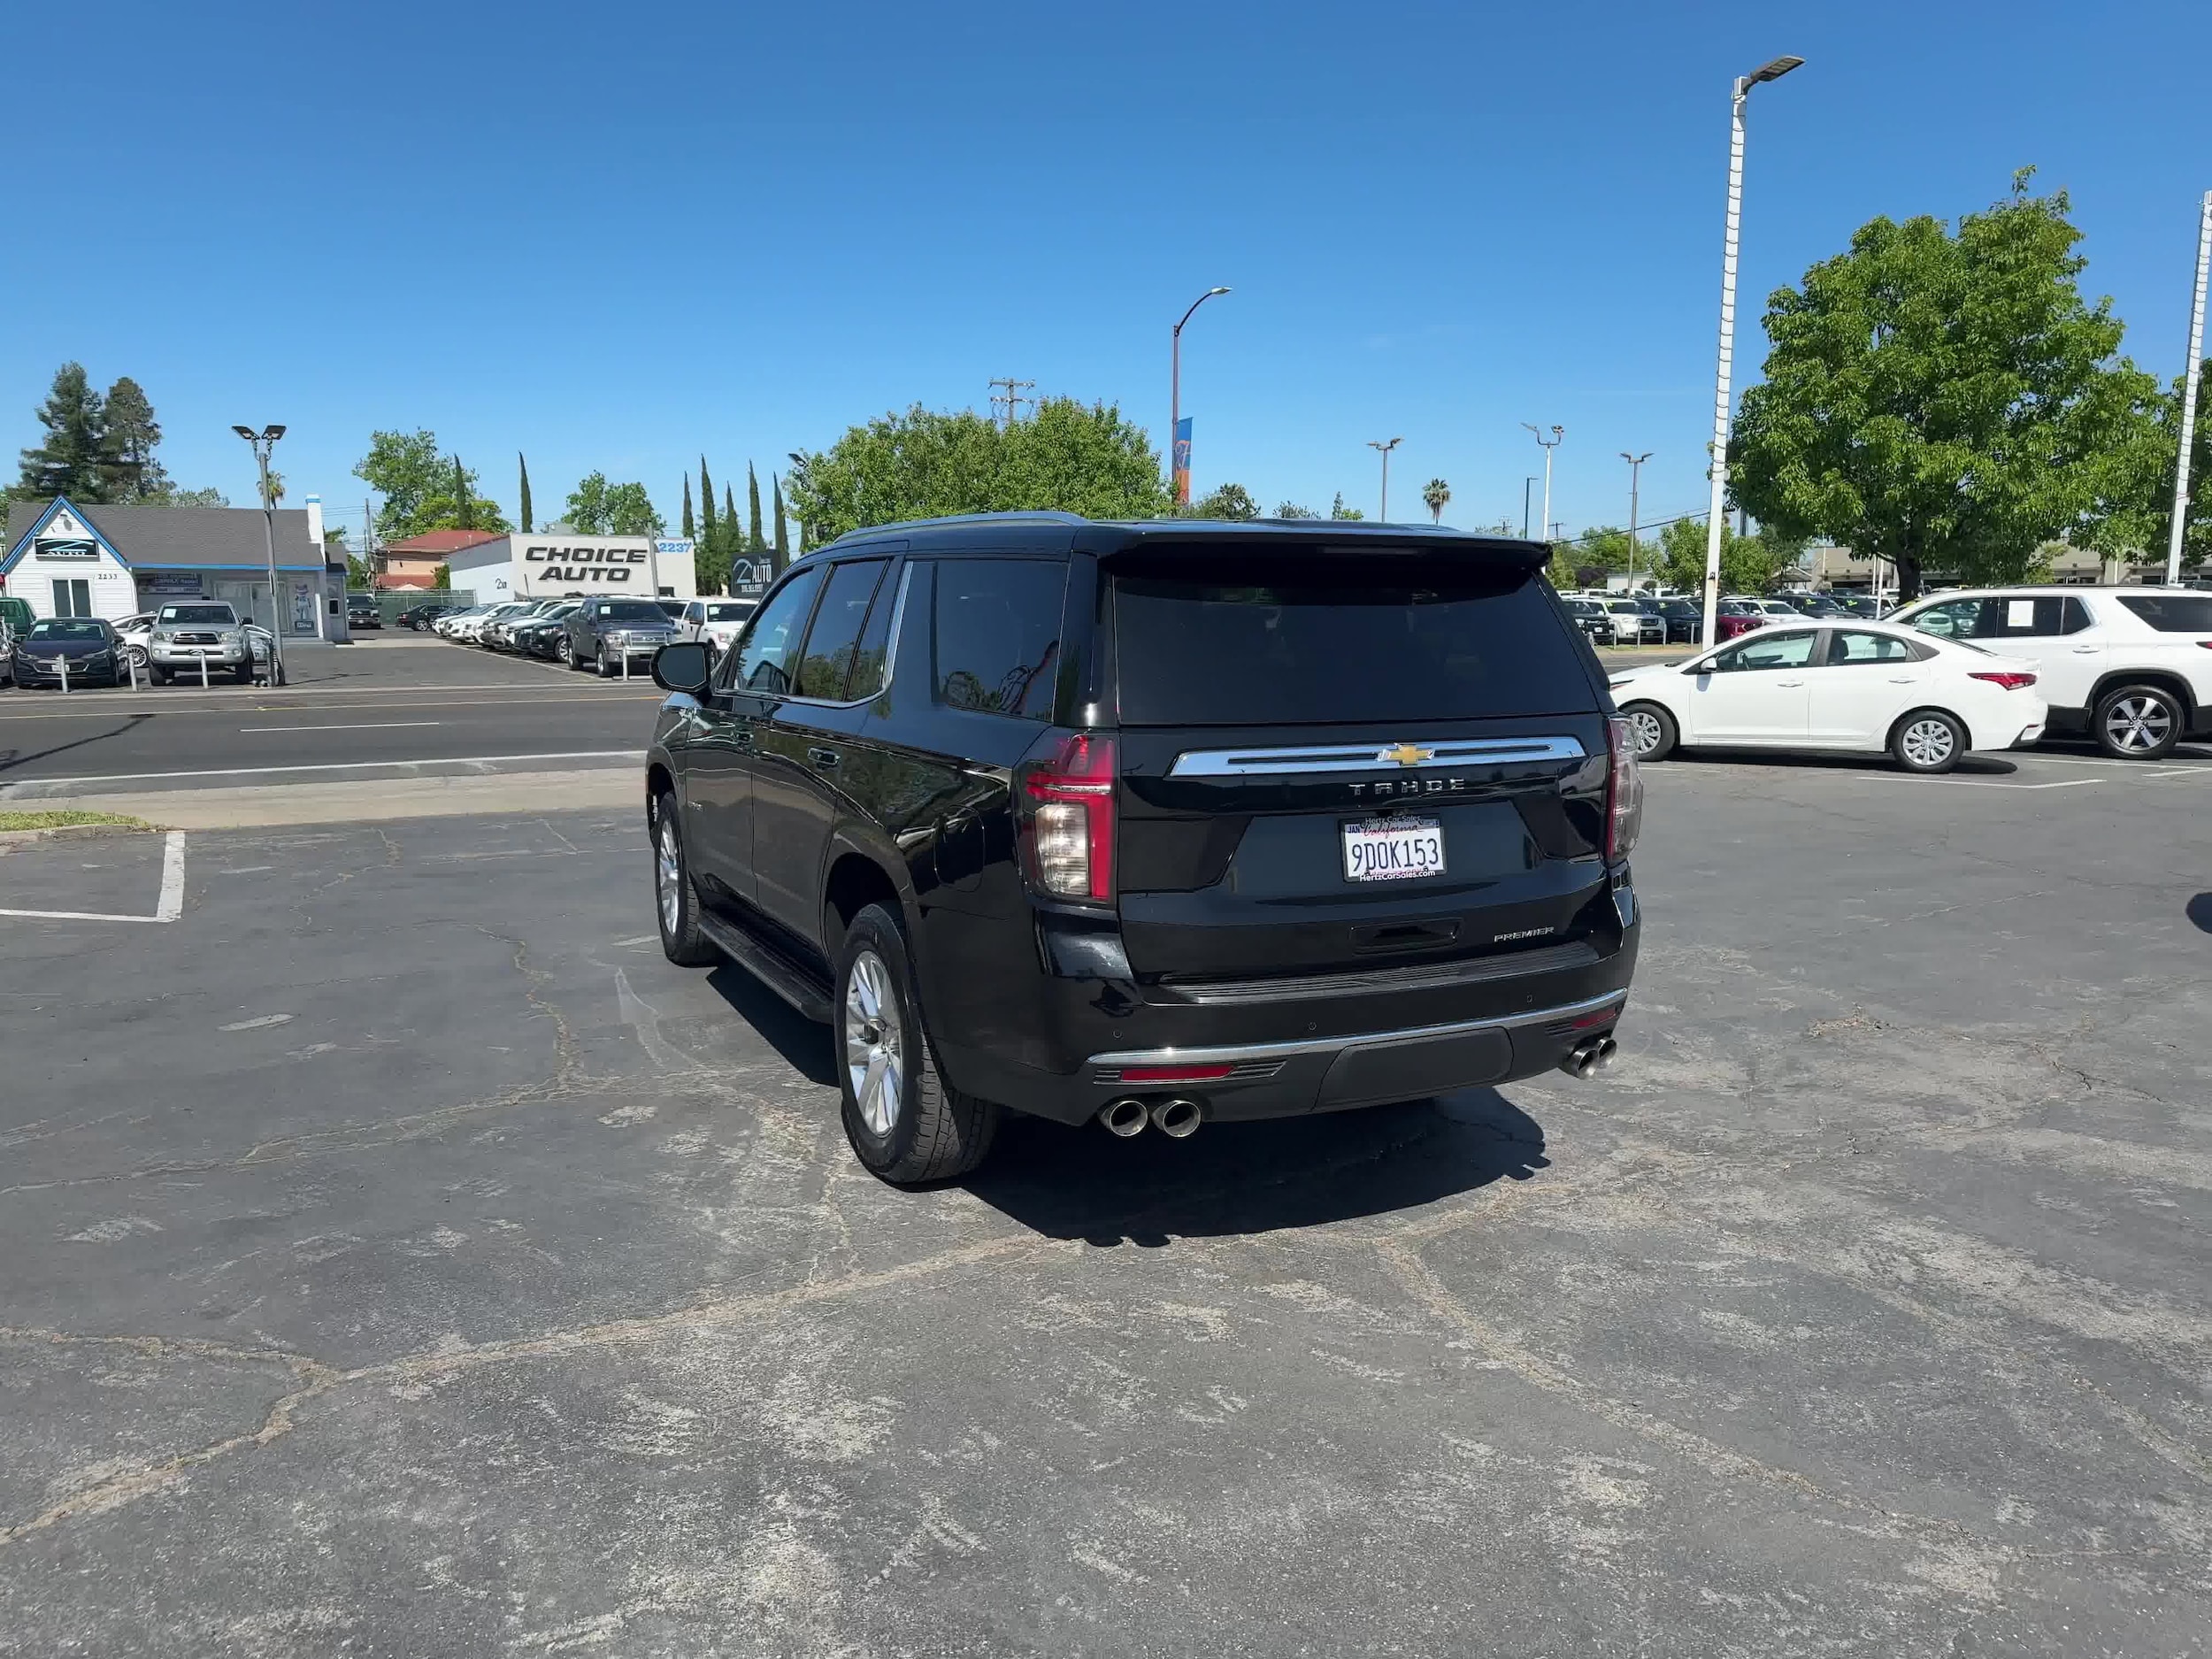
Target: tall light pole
[1377,443]
[2189,393]
[263,443]
[1716,520]
[1178,457]
[1558,434]
[1635,467]
[1527,484]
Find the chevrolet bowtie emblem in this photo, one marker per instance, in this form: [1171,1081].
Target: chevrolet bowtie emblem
[1408,754]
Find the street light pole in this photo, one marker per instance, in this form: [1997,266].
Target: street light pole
[1376,443]
[1635,466]
[2189,394]
[263,443]
[1558,435]
[1527,484]
[1179,463]
[1716,519]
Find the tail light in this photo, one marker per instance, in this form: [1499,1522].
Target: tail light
[1624,792]
[2010,682]
[1069,832]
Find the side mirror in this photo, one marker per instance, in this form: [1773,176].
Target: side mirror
[683,666]
[1703,665]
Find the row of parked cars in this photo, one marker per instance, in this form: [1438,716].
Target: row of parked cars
[179,638]
[2130,668]
[1616,620]
[604,634]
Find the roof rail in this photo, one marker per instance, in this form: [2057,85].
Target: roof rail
[1033,516]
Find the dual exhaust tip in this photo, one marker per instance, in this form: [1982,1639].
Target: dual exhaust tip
[1587,1059]
[1177,1119]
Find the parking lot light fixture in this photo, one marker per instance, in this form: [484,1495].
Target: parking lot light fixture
[263,443]
[1558,436]
[1383,517]
[1635,468]
[1716,519]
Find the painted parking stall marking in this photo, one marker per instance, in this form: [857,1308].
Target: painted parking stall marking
[167,907]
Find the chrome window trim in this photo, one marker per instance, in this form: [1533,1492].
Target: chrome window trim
[1308,759]
[1330,1045]
[890,654]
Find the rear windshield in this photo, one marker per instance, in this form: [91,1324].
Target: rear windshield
[2171,614]
[197,613]
[1245,647]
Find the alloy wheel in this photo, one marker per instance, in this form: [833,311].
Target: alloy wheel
[669,876]
[2137,725]
[1928,741]
[1644,731]
[875,1061]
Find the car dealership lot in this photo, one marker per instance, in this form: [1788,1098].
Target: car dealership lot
[402,1257]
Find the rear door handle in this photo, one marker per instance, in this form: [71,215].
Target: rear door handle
[1789,682]
[2087,650]
[1904,679]
[826,759]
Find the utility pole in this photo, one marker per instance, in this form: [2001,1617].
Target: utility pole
[1013,399]
[1635,467]
[368,542]
[1558,435]
[2189,394]
[1527,484]
[1383,517]
[1716,520]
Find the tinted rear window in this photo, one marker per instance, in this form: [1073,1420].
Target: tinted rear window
[2171,614]
[1350,644]
[998,635]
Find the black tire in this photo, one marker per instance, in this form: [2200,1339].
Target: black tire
[2137,722]
[606,671]
[1927,742]
[1653,730]
[931,1132]
[245,672]
[161,676]
[675,901]
[565,652]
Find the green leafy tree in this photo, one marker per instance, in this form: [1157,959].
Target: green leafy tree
[1338,510]
[209,497]
[422,489]
[442,577]
[1065,455]
[523,510]
[690,524]
[1946,401]
[1230,501]
[782,549]
[1436,493]
[1748,564]
[73,458]
[754,544]
[2141,525]
[597,508]
[1292,510]
[131,436]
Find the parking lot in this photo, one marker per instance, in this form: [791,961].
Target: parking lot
[402,1257]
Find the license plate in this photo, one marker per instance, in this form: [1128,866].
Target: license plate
[1393,849]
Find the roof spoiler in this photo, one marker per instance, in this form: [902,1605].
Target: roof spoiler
[1323,539]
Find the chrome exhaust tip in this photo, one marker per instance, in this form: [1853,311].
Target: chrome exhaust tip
[1588,1059]
[1125,1117]
[1601,1057]
[1177,1119]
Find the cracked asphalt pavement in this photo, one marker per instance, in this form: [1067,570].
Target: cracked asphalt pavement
[398,1257]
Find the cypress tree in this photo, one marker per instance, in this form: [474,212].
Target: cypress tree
[706,497]
[461,495]
[754,544]
[783,526]
[689,528]
[525,466]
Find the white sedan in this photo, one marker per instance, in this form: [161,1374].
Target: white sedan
[1866,686]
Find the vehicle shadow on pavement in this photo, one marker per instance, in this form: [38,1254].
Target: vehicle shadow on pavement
[1231,1179]
[11,758]
[1808,760]
[805,1046]
[2199,911]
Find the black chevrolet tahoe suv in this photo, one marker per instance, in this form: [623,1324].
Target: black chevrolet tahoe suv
[1155,822]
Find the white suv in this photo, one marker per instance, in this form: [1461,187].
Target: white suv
[717,621]
[2130,666]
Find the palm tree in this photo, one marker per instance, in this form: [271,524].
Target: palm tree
[1436,492]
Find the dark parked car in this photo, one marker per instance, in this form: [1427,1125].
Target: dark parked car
[608,634]
[420,617]
[362,612]
[71,650]
[1155,823]
[1684,619]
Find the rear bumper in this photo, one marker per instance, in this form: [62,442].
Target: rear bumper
[1085,1041]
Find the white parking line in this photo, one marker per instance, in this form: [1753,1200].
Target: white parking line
[369,726]
[1987,783]
[167,908]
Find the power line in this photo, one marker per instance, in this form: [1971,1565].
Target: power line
[1013,399]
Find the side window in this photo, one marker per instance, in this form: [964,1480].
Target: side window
[695,612]
[827,657]
[1764,651]
[872,662]
[2041,617]
[1847,646]
[762,659]
[996,634]
[1954,620]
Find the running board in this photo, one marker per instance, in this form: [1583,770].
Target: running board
[794,981]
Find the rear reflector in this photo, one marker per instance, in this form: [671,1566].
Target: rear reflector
[1175,1073]
[2009,681]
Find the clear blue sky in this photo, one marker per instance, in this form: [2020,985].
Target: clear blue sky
[615,236]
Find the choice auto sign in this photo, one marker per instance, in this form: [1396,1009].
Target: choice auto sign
[571,562]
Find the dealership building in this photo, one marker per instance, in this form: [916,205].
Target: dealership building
[558,566]
[72,560]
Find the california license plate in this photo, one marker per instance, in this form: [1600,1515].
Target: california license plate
[1393,848]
